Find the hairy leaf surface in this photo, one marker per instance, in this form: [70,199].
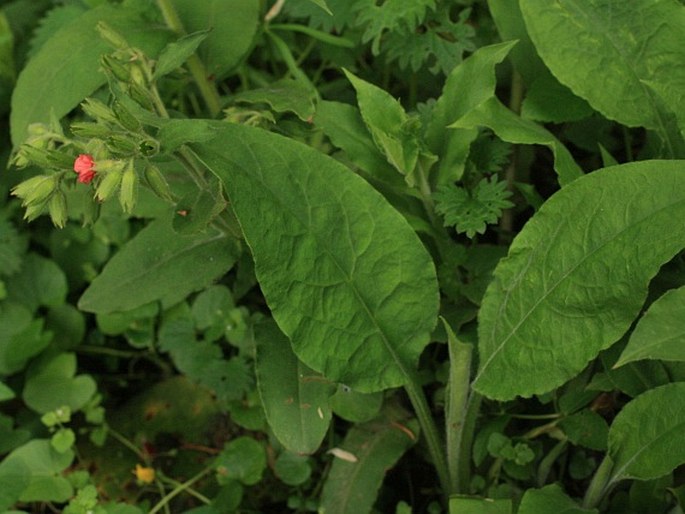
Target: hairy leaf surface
[345,276]
[577,275]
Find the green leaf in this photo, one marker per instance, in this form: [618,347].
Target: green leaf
[645,439]
[550,498]
[468,85]
[471,211]
[63,440]
[21,337]
[231,30]
[159,265]
[6,393]
[470,505]
[174,133]
[388,123]
[586,428]
[371,450]
[343,124]
[51,384]
[48,84]
[12,247]
[354,406]
[344,274]
[549,101]
[295,398]
[323,5]
[241,459]
[40,282]
[285,95]
[660,333]
[177,52]
[292,469]
[15,477]
[516,130]
[604,52]
[44,466]
[572,285]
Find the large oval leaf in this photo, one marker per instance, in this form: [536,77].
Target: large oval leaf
[66,68]
[577,275]
[295,398]
[159,265]
[646,438]
[604,51]
[344,274]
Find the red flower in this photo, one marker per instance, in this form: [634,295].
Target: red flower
[83,165]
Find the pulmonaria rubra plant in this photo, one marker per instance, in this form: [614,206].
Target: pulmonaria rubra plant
[83,165]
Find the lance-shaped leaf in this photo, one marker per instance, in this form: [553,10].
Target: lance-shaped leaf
[295,398]
[577,275]
[361,463]
[345,276]
[660,333]
[603,51]
[513,129]
[159,265]
[646,438]
[467,86]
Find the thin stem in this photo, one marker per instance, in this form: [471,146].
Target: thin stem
[195,65]
[181,487]
[128,444]
[430,431]
[189,490]
[468,431]
[600,484]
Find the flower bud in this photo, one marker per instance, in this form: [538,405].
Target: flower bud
[108,184]
[129,188]
[98,110]
[37,156]
[122,144]
[141,96]
[148,147]
[84,166]
[87,129]
[157,182]
[114,66]
[36,190]
[33,211]
[57,208]
[126,119]
[112,36]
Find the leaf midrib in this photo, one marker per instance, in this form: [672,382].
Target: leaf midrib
[353,286]
[562,278]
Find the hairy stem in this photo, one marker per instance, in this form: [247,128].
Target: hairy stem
[599,485]
[430,432]
[455,409]
[195,65]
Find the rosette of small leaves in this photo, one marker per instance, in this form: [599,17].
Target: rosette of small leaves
[470,211]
